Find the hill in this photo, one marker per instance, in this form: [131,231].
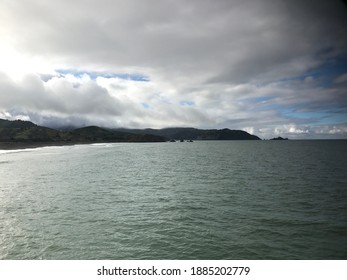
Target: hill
[25,133]
[279,138]
[14,134]
[196,134]
[17,131]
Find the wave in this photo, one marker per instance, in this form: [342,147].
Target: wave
[18,151]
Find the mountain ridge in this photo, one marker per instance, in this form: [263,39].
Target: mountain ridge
[30,134]
[27,133]
[190,133]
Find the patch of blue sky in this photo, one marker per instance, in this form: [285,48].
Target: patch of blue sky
[328,72]
[303,115]
[321,117]
[325,74]
[94,75]
[187,103]
[261,104]
[290,112]
[338,115]
[258,99]
[334,119]
[265,108]
[145,105]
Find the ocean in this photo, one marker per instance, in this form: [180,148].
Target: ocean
[200,200]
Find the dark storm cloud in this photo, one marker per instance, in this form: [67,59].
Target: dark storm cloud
[228,41]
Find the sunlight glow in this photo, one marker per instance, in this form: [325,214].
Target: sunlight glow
[17,65]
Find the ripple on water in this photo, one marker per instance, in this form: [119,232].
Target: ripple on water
[209,200]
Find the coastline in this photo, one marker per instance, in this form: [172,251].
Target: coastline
[32,145]
[5,146]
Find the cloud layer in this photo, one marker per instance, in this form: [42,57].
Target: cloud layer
[268,67]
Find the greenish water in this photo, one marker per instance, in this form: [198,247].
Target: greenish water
[201,200]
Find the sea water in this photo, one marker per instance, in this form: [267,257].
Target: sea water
[201,200]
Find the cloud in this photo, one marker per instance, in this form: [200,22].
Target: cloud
[264,66]
[58,96]
[341,79]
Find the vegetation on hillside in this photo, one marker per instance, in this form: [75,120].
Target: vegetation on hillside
[24,131]
[19,133]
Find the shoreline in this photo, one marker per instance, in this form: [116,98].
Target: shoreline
[6,146]
[32,145]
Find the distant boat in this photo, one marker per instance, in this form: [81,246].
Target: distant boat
[181,140]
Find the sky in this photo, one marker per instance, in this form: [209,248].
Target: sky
[269,67]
